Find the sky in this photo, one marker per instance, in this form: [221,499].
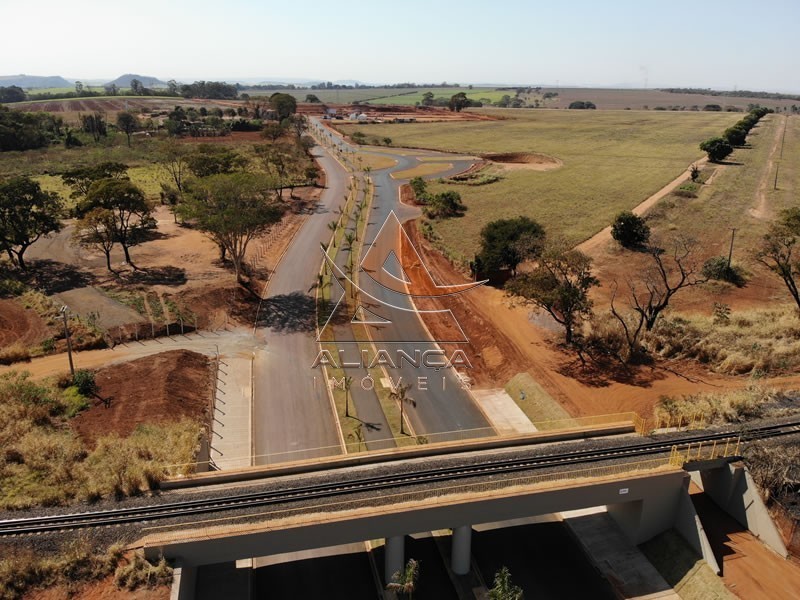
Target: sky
[688,43]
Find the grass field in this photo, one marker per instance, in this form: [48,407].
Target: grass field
[412,97]
[613,160]
[735,191]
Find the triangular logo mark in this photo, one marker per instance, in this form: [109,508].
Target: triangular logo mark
[393,267]
[365,316]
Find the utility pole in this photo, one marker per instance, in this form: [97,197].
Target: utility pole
[730,252]
[63,311]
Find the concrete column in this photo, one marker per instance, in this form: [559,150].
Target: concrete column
[462,549]
[183,582]
[394,558]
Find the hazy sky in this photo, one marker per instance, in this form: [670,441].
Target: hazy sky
[706,43]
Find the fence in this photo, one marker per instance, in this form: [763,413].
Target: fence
[697,451]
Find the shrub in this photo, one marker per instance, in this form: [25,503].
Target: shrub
[14,353]
[725,407]
[139,572]
[630,230]
[717,148]
[84,381]
[687,190]
[735,136]
[74,401]
[717,268]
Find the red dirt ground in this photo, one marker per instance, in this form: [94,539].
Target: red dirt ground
[504,342]
[158,388]
[20,325]
[100,590]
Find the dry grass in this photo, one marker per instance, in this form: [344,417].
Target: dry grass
[422,170]
[723,407]
[76,564]
[753,341]
[43,462]
[613,160]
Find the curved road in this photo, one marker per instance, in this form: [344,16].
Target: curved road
[293,417]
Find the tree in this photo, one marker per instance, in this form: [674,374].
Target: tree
[399,394]
[444,205]
[458,102]
[283,104]
[95,125]
[127,122]
[97,229]
[405,581]
[111,89]
[26,214]
[81,179]
[717,148]
[504,588]
[172,87]
[630,230]
[777,251]
[207,160]
[652,291]
[499,242]
[284,162]
[78,88]
[127,203]
[137,88]
[232,209]
[427,99]
[560,285]
[312,99]
[735,136]
[12,93]
[173,160]
[348,384]
[582,105]
[298,123]
[273,131]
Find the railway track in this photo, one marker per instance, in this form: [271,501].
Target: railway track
[166,510]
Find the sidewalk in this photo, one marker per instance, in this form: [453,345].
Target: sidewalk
[505,416]
[231,439]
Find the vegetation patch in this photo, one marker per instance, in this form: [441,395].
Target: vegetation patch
[753,341]
[734,406]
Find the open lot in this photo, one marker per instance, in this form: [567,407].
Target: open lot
[611,161]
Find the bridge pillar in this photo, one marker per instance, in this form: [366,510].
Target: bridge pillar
[462,549]
[394,558]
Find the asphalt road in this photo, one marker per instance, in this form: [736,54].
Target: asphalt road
[443,409]
[292,415]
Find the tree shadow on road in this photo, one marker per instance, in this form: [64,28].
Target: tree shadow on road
[288,313]
[52,277]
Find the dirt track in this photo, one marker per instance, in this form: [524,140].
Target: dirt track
[20,325]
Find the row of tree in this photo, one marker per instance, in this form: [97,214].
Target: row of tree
[719,148]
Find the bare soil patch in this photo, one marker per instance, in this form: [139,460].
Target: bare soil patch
[155,389]
[99,590]
[505,340]
[522,160]
[20,325]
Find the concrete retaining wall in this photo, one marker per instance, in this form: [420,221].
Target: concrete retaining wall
[733,489]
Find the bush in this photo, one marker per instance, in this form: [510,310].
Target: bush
[14,353]
[84,381]
[725,407]
[139,572]
[717,148]
[630,230]
[736,135]
[74,401]
[687,190]
[717,268]
[582,105]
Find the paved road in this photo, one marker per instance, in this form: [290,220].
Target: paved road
[293,417]
[444,407]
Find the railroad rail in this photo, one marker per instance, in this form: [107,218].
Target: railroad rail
[244,500]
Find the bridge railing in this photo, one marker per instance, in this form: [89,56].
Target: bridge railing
[437,495]
[697,451]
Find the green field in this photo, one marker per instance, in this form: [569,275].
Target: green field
[395,96]
[613,160]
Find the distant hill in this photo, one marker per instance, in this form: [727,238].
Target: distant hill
[34,81]
[124,81]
